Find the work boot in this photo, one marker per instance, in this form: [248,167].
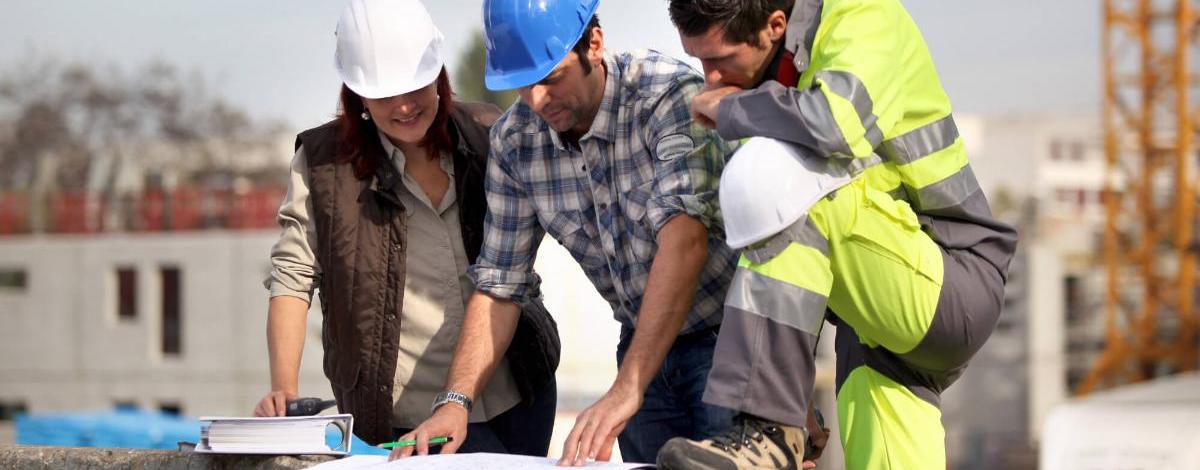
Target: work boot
[751,444]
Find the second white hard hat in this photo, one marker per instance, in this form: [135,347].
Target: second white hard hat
[768,185]
[387,47]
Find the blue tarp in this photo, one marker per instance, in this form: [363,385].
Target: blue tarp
[123,428]
[128,429]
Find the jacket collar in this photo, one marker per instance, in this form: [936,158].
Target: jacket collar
[780,68]
[802,31]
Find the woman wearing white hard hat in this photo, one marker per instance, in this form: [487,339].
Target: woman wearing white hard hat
[383,216]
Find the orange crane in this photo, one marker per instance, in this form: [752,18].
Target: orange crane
[1150,240]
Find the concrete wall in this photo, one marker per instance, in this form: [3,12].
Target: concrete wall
[64,347]
[31,458]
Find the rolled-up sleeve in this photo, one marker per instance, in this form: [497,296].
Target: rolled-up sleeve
[688,162]
[294,268]
[511,232]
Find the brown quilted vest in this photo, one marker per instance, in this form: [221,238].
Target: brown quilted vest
[361,238]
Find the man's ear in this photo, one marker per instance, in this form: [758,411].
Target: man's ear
[776,25]
[596,47]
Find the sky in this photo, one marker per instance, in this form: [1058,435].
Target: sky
[274,58]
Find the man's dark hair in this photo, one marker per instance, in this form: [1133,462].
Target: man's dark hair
[741,19]
[581,47]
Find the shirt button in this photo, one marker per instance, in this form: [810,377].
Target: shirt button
[383,388]
[391,317]
[582,167]
[603,206]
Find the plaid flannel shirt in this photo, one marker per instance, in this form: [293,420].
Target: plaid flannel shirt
[642,162]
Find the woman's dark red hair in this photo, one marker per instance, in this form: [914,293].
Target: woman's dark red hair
[357,134]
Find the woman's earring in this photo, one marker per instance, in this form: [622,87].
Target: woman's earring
[365,116]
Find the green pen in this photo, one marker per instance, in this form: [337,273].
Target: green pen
[432,441]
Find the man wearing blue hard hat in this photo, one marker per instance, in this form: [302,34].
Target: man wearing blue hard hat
[602,154]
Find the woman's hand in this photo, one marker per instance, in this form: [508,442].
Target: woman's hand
[273,404]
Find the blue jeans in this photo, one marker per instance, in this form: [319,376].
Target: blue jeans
[672,405]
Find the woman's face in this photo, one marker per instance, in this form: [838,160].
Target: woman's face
[405,118]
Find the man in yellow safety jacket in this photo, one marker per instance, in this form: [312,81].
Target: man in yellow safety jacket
[879,219]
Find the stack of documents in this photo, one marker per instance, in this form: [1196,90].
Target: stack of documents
[328,434]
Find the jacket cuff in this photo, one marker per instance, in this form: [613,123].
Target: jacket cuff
[731,119]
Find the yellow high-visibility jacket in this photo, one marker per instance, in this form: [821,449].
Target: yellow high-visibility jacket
[867,88]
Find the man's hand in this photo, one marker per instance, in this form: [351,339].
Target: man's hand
[674,274]
[597,427]
[450,420]
[704,105]
[273,404]
[818,435]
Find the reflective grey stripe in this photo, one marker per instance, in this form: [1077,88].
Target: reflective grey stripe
[747,374]
[848,86]
[921,142]
[803,231]
[859,165]
[817,112]
[779,301]
[949,192]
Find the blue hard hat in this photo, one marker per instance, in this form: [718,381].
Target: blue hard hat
[526,39]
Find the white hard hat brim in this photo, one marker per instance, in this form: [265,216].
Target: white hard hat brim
[387,48]
[428,73]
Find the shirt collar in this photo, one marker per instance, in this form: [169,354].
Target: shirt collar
[398,158]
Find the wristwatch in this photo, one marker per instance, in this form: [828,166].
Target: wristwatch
[451,396]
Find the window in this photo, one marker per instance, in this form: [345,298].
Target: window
[1073,299]
[126,293]
[125,405]
[12,279]
[1075,378]
[1077,151]
[170,408]
[172,321]
[10,409]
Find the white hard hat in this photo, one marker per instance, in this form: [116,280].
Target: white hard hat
[769,184]
[387,47]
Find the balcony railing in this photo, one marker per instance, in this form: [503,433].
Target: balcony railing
[184,209]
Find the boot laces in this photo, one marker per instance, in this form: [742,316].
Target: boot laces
[742,433]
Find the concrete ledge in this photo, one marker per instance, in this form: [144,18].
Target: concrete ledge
[91,458]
